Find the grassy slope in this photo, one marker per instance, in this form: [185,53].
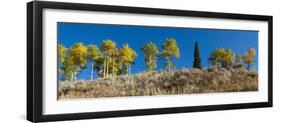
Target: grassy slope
[163,83]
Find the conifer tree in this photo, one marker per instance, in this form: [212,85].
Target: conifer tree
[197,61]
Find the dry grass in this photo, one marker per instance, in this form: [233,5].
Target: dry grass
[183,81]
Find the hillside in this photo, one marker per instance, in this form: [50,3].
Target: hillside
[185,81]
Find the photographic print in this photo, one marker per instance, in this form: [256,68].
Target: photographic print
[87,61]
[106,60]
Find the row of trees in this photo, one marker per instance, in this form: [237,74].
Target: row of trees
[226,58]
[169,52]
[109,60]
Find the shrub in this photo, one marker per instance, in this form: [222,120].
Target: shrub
[163,83]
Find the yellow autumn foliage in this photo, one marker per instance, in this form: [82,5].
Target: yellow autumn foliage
[62,53]
[127,54]
[249,56]
[79,53]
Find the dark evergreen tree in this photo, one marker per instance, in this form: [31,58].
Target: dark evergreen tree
[197,61]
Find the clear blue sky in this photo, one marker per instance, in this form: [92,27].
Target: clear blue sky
[137,36]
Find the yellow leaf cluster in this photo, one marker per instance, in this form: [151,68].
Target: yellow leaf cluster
[222,56]
[62,52]
[93,52]
[249,56]
[79,53]
[170,48]
[127,54]
[108,46]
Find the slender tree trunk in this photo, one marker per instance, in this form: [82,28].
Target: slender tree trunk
[92,71]
[122,69]
[107,67]
[169,65]
[104,66]
[98,72]
[72,76]
[75,76]
[113,67]
[150,67]
[248,67]
[127,69]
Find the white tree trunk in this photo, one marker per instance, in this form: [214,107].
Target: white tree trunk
[92,71]
[72,77]
[74,73]
[169,66]
[104,66]
[107,67]
[150,67]
[113,67]
[129,69]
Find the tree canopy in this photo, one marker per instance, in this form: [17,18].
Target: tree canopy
[127,55]
[222,58]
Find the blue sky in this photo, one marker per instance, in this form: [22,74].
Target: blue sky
[137,36]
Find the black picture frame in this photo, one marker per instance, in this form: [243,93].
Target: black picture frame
[35,69]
